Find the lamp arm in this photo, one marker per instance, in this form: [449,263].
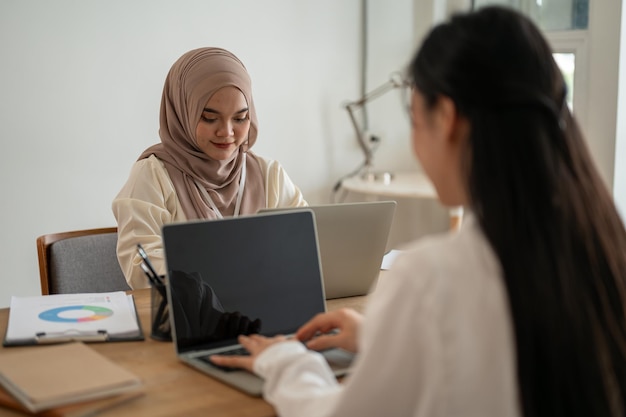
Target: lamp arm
[377,92]
[360,137]
[395,81]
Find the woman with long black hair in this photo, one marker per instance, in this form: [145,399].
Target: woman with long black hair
[520,313]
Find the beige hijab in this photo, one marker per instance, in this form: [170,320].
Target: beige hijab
[190,83]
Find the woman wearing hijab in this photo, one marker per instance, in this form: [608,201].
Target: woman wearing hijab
[203,168]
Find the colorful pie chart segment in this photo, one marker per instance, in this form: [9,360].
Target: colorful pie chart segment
[83,313]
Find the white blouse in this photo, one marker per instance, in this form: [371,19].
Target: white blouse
[437,340]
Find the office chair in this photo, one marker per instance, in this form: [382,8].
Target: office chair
[81,261]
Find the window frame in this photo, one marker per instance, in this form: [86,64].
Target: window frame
[575,42]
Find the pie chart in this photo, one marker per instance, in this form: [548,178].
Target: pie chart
[76,314]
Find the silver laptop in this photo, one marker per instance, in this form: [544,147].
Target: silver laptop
[352,241]
[243,275]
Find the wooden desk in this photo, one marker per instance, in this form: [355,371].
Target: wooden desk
[172,388]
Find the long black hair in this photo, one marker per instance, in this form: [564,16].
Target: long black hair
[543,207]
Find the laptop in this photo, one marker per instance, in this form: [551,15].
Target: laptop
[352,241]
[242,275]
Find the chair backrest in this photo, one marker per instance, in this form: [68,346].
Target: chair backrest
[81,261]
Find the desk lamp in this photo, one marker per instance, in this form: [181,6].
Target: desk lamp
[365,139]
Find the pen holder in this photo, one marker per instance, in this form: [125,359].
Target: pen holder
[159,313]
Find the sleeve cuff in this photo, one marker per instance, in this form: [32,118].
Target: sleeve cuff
[278,355]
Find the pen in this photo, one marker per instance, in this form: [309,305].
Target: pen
[148,274]
[158,284]
[150,271]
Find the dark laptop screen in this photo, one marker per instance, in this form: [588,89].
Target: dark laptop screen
[250,274]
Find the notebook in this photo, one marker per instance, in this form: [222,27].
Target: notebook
[352,241]
[247,274]
[47,377]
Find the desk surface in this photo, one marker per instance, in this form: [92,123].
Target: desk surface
[171,387]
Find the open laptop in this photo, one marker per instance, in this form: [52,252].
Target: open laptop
[352,241]
[248,274]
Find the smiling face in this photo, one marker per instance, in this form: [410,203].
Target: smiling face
[224,124]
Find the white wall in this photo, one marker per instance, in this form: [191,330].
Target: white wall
[80,89]
[603,82]
[392,41]
[619,182]
[394,34]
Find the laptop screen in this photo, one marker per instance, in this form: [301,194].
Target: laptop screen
[249,274]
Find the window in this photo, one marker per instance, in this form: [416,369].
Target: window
[592,35]
[549,15]
[564,24]
[567,63]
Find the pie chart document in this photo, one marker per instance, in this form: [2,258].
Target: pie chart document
[62,317]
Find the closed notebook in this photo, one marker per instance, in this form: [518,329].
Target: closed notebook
[89,408]
[45,377]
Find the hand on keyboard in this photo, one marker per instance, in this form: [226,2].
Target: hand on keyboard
[254,345]
[336,329]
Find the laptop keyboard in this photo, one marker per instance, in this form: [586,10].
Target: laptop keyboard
[240,351]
